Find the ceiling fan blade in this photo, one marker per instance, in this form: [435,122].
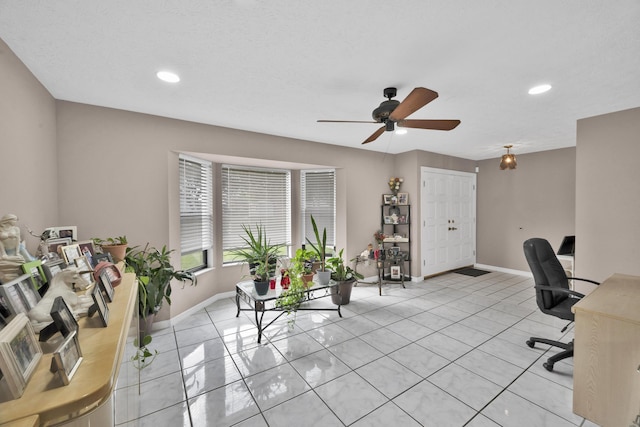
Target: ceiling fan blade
[375,135]
[346,121]
[418,98]
[429,124]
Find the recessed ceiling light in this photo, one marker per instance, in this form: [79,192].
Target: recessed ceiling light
[168,76]
[401,131]
[536,90]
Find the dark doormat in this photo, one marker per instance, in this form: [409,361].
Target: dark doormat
[474,272]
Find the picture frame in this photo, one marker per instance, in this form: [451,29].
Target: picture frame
[84,268]
[98,258]
[386,199]
[88,249]
[388,219]
[29,291]
[67,358]
[70,253]
[403,198]
[34,269]
[99,305]
[395,271]
[63,317]
[54,244]
[12,295]
[51,268]
[19,353]
[62,232]
[104,282]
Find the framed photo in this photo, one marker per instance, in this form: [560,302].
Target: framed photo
[34,268]
[29,291]
[403,198]
[12,295]
[70,253]
[54,244]
[99,305]
[395,271]
[84,268]
[63,232]
[104,282]
[386,199]
[63,317]
[394,250]
[98,258]
[402,219]
[388,219]
[88,249]
[51,268]
[19,353]
[67,358]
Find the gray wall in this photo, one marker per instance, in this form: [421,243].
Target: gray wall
[535,200]
[29,172]
[607,195]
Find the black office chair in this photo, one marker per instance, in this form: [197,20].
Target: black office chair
[552,292]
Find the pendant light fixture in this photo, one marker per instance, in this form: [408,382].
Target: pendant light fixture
[508,160]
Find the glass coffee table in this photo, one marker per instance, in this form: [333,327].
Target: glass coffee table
[260,304]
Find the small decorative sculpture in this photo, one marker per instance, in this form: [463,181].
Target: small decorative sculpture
[12,251]
[62,285]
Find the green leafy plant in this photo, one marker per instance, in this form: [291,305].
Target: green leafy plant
[155,272]
[320,246]
[341,272]
[257,250]
[290,299]
[143,357]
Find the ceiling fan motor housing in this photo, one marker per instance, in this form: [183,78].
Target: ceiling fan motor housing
[381,114]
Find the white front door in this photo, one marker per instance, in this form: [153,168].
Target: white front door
[448,220]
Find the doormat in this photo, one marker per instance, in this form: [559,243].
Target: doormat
[474,272]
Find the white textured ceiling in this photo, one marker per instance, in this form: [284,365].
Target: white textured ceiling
[277,66]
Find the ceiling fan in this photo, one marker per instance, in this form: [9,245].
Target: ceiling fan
[392,112]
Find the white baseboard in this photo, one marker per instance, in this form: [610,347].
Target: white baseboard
[170,322]
[503,270]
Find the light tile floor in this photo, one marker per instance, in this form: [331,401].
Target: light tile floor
[448,351]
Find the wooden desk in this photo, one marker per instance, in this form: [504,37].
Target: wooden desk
[93,383]
[606,381]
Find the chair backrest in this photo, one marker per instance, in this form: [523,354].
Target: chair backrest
[547,271]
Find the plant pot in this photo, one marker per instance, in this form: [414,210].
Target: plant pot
[261,287]
[117,252]
[344,297]
[307,279]
[323,277]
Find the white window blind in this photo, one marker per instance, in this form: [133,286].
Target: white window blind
[318,198]
[196,212]
[252,196]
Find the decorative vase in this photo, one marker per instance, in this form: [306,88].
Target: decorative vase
[341,294]
[261,287]
[145,325]
[323,277]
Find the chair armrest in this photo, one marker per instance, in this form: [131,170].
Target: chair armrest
[584,280]
[559,290]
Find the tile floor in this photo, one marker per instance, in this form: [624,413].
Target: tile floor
[448,351]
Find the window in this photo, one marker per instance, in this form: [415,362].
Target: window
[318,198]
[196,212]
[253,196]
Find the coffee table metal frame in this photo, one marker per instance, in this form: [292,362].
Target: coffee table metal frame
[260,304]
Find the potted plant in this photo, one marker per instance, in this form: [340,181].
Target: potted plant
[291,298]
[302,264]
[154,272]
[345,276]
[260,254]
[262,273]
[320,249]
[116,246]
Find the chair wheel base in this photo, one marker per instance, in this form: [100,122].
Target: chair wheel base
[548,366]
[530,343]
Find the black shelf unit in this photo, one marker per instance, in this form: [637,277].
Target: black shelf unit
[395,220]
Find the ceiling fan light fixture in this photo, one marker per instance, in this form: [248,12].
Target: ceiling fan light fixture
[401,131]
[537,90]
[508,160]
[168,76]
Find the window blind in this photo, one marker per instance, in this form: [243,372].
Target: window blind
[253,196]
[318,198]
[196,212]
